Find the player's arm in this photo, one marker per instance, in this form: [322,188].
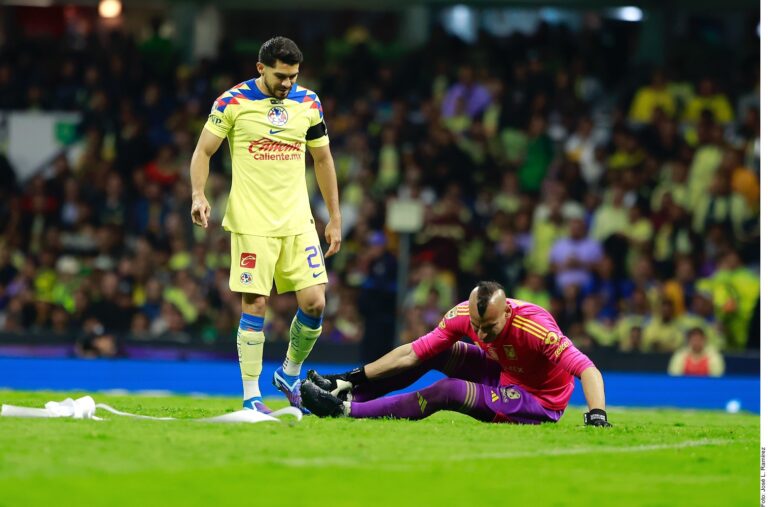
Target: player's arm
[594,389]
[399,359]
[594,392]
[325,171]
[559,349]
[402,358]
[198,171]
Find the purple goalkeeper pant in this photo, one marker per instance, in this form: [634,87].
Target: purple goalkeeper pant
[472,388]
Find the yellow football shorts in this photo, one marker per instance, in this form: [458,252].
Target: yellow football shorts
[293,262]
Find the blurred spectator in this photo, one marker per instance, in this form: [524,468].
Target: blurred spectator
[722,208]
[446,229]
[735,292]
[663,333]
[648,98]
[707,99]
[349,324]
[165,169]
[743,181]
[96,342]
[627,153]
[635,316]
[539,152]
[574,258]
[544,233]
[612,217]
[673,186]
[170,325]
[680,288]
[508,262]
[701,314]
[697,358]
[105,309]
[661,138]
[534,290]
[597,325]
[675,237]
[606,285]
[467,96]
[706,161]
[581,147]
[140,327]
[414,326]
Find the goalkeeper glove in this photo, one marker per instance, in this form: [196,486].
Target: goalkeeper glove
[596,417]
[339,384]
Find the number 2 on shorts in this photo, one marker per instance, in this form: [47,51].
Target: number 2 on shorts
[314,251]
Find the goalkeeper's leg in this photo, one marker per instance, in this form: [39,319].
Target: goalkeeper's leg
[462,361]
[483,402]
[445,394]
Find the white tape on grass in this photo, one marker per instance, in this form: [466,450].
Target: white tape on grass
[85,408]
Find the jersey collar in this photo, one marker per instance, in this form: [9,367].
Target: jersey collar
[255,93]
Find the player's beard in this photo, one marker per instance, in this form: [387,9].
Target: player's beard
[275,91]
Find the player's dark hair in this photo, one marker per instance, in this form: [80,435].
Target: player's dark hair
[280,48]
[485,290]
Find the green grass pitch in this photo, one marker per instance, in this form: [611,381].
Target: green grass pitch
[650,458]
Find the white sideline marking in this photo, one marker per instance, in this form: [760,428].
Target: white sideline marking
[594,450]
[347,461]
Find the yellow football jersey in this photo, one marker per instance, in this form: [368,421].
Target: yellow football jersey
[268,139]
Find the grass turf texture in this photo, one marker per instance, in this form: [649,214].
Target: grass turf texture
[650,458]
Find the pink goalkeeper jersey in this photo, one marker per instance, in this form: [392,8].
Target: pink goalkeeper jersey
[531,349]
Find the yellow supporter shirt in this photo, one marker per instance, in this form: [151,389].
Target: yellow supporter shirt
[267,139]
[646,100]
[718,104]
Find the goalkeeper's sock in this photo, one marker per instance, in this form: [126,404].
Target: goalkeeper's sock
[250,350]
[304,332]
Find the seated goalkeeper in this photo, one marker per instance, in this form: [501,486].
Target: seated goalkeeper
[519,369]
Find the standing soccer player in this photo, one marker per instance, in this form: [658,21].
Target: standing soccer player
[269,122]
[519,369]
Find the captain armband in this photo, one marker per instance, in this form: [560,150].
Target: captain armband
[317,131]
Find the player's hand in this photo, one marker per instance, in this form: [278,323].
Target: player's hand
[335,383]
[201,211]
[597,417]
[339,384]
[333,236]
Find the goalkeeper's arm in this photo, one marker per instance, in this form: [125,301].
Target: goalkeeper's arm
[399,359]
[594,392]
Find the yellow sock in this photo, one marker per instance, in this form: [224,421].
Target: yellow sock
[250,352]
[303,338]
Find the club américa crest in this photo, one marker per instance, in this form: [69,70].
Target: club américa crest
[246,278]
[277,116]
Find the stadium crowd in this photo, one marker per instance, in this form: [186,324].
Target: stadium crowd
[627,206]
